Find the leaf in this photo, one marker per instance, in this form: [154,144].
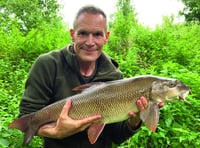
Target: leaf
[4,143]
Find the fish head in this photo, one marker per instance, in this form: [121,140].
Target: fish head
[168,89]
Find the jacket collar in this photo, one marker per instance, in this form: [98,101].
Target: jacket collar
[107,69]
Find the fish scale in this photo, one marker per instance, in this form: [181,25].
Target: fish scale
[105,102]
[113,100]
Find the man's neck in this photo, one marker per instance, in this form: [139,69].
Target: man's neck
[87,68]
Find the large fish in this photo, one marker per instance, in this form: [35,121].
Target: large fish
[113,100]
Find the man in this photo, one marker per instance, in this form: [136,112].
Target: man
[54,75]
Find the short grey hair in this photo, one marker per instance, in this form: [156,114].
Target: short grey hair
[89,9]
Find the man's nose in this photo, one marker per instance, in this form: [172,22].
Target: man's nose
[90,39]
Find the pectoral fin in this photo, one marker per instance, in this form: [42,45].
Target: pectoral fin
[94,131]
[150,116]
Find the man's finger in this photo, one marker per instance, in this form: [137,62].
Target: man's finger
[53,124]
[90,119]
[132,114]
[140,105]
[144,101]
[161,104]
[66,108]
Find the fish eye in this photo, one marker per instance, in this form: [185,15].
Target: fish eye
[172,84]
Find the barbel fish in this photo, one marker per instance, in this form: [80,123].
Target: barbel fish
[113,100]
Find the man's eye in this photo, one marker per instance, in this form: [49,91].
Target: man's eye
[82,33]
[98,34]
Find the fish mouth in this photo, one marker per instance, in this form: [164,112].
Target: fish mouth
[182,96]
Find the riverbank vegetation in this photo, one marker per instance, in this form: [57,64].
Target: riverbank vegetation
[170,50]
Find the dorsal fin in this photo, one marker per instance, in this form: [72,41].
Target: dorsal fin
[86,86]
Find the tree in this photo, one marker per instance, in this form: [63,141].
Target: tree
[122,24]
[191,10]
[27,14]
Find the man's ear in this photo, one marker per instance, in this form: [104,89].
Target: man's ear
[72,34]
[107,36]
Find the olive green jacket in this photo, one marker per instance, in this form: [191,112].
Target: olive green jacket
[52,78]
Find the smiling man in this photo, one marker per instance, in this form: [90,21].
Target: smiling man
[89,35]
[54,75]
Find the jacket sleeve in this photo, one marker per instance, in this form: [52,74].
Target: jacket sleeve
[119,132]
[38,87]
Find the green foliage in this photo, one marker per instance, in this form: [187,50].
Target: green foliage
[121,27]
[12,84]
[191,10]
[16,45]
[17,53]
[171,50]
[28,14]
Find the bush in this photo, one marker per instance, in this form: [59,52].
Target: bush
[171,50]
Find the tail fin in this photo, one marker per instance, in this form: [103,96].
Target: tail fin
[21,123]
[25,126]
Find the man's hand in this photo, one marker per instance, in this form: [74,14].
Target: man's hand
[66,126]
[142,104]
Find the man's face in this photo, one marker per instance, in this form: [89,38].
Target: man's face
[89,36]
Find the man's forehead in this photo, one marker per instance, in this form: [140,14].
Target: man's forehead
[94,29]
[90,20]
